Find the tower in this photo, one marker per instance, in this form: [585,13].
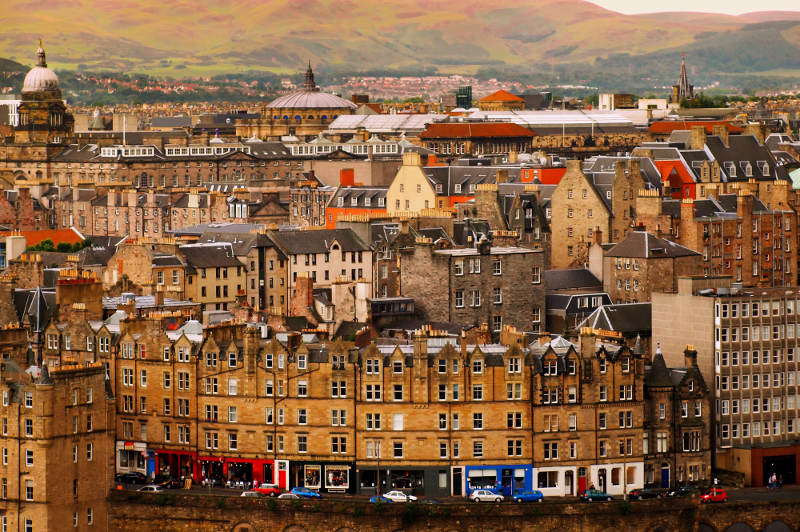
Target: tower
[310,84]
[683,90]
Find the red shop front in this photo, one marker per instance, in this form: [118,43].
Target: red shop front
[246,470]
[175,464]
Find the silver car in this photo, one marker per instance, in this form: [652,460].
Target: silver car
[485,496]
[152,488]
[399,496]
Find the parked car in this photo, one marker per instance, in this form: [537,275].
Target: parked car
[714,495]
[168,482]
[253,494]
[528,496]
[399,496]
[272,490]
[485,496]
[595,495]
[379,498]
[131,478]
[645,493]
[683,491]
[288,495]
[151,488]
[305,493]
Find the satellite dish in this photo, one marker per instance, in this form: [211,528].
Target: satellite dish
[227,120]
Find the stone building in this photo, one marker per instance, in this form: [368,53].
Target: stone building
[56,440]
[677,423]
[746,340]
[642,263]
[214,276]
[501,100]
[485,283]
[579,209]
[737,234]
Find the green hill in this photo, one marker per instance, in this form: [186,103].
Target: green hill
[184,37]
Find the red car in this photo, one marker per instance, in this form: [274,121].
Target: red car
[714,495]
[271,490]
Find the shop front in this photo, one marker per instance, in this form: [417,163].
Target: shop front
[175,464]
[427,481]
[224,471]
[132,457]
[323,476]
[504,479]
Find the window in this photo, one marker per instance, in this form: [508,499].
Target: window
[28,492]
[302,444]
[477,449]
[302,416]
[398,392]
[397,449]
[551,450]
[477,392]
[477,421]
[514,447]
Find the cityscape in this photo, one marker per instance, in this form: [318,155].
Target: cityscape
[299,298]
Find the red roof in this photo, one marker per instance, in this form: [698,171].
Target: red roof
[70,236]
[667,167]
[478,130]
[665,127]
[501,96]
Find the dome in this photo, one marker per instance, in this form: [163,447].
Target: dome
[304,99]
[310,97]
[40,78]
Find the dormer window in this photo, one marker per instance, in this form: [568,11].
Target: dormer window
[551,367]
[340,201]
[477,366]
[457,187]
[626,365]
[603,365]
[397,366]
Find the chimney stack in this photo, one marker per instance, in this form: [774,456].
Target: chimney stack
[721,131]
[698,138]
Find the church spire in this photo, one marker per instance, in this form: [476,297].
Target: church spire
[41,60]
[685,90]
[310,85]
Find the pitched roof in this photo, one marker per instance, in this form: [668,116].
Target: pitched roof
[316,241]
[566,279]
[643,245]
[501,96]
[475,130]
[626,318]
[658,375]
[209,255]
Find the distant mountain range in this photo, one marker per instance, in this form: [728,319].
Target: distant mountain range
[182,37]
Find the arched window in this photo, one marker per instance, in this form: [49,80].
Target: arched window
[298,118]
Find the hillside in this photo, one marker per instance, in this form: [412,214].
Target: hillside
[182,37]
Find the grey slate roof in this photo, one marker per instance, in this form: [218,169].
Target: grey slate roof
[643,245]
[209,255]
[570,279]
[627,318]
[316,241]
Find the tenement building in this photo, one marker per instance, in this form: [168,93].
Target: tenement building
[485,283]
[56,447]
[753,371]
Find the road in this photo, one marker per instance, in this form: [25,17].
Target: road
[791,492]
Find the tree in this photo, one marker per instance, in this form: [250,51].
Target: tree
[64,247]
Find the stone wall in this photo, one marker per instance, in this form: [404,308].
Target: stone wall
[198,513]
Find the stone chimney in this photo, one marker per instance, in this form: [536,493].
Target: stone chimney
[598,236]
[744,204]
[690,356]
[698,138]
[721,131]
[755,129]
[619,170]
[303,296]
[159,295]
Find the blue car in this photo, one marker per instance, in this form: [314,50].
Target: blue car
[528,496]
[306,493]
[379,498]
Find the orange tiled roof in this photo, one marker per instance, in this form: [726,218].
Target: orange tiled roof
[478,130]
[665,168]
[666,127]
[501,96]
[57,236]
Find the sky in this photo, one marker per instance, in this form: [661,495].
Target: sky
[731,7]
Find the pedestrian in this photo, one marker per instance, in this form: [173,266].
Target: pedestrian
[780,480]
